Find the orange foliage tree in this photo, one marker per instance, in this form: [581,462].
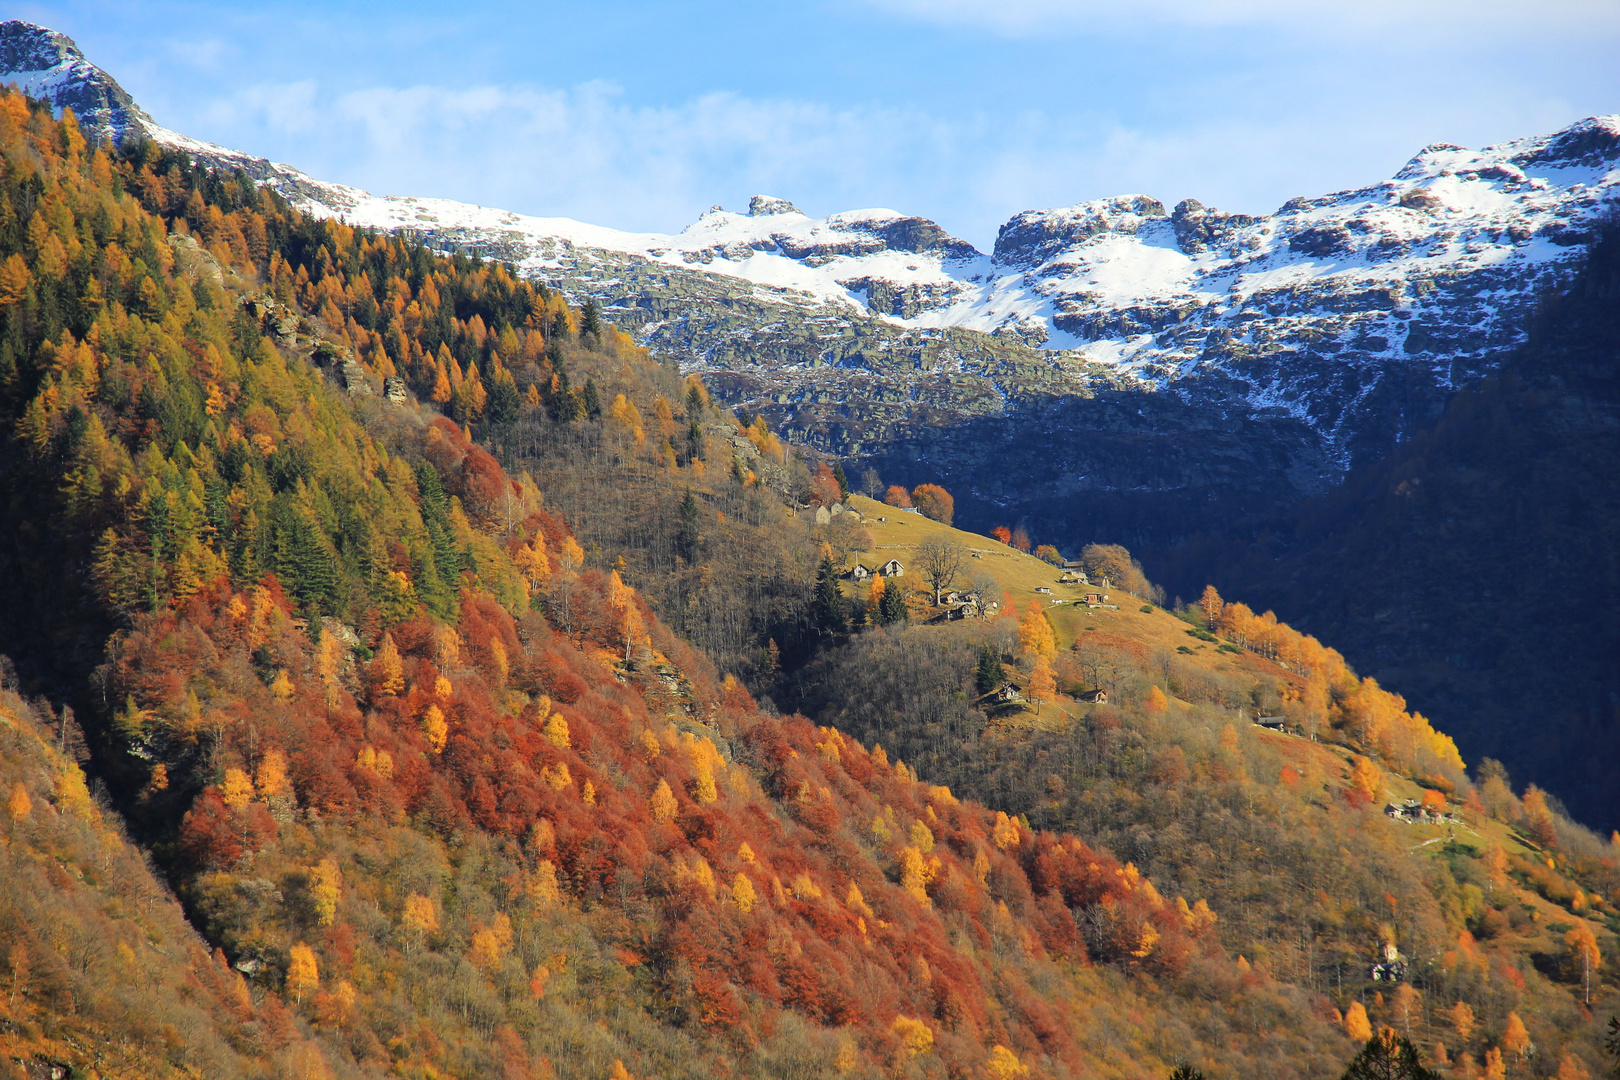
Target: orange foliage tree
[934,502]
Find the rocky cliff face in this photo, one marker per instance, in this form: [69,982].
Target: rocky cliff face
[1112,352]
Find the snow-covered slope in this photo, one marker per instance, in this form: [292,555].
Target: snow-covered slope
[1412,287]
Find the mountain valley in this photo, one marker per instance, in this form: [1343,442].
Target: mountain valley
[446,643]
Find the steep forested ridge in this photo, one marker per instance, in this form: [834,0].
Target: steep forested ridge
[439,786]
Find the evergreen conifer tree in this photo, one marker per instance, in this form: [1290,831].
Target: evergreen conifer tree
[827,610]
[686,534]
[590,322]
[505,405]
[1388,1056]
[988,674]
[892,608]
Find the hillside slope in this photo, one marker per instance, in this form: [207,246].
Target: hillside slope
[1284,831]
[103,972]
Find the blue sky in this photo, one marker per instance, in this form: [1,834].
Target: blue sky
[641,115]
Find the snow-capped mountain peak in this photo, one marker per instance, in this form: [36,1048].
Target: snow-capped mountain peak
[1355,313]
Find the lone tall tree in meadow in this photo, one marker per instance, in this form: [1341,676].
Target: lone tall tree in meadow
[939,559]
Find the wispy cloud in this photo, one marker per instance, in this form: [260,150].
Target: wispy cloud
[1391,20]
[585,152]
[589,153]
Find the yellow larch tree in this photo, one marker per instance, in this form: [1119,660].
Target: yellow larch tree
[1366,778]
[434,728]
[419,919]
[237,789]
[1035,635]
[556,731]
[627,616]
[916,1037]
[1581,945]
[387,672]
[1570,1068]
[1004,1064]
[663,802]
[271,778]
[1042,686]
[1496,868]
[1462,1020]
[1356,1024]
[1515,1039]
[327,890]
[743,893]
[19,805]
[303,974]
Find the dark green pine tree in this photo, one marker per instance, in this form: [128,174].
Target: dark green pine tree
[1388,1056]
[590,322]
[988,676]
[305,563]
[505,403]
[435,505]
[892,608]
[694,441]
[843,481]
[562,403]
[686,531]
[215,493]
[591,400]
[827,609]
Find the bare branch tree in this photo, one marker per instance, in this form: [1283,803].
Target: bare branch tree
[939,559]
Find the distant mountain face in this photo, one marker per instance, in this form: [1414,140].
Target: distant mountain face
[1175,356]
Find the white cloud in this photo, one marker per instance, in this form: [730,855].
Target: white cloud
[583,152]
[1391,20]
